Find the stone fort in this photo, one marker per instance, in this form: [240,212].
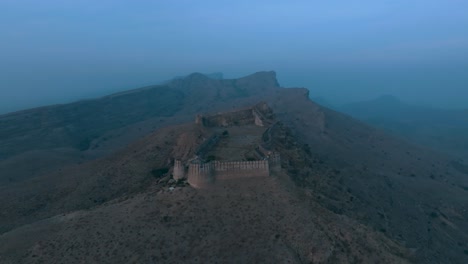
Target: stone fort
[239,147]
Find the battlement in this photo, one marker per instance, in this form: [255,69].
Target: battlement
[240,169]
[201,175]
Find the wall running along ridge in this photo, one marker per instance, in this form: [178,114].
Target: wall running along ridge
[201,175]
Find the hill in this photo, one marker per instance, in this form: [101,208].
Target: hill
[346,193]
[441,129]
[89,129]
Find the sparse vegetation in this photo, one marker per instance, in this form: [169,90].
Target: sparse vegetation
[297,212]
[210,158]
[158,173]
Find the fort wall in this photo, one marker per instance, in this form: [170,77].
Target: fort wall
[238,118]
[241,169]
[179,170]
[275,162]
[260,115]
[201,175]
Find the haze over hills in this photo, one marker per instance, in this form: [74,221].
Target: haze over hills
[346,193]
[75,130]
[442,129]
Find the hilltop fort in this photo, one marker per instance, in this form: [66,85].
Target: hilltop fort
[239,147]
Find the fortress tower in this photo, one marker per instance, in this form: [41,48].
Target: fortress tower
[179,170]
[199,120]
[275,162]
[200,175]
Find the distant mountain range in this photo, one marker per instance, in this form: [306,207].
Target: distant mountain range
[441,129]
[90,182]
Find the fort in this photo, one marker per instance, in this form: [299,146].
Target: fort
[201,175]
[259,115]
[239,147]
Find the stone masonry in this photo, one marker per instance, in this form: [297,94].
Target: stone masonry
[200,175]
[204,174]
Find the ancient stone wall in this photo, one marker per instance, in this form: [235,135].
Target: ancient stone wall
[267,136]
[241,169]
[179,170]
[200,175]
[238,118]
[274,162]
[260,115]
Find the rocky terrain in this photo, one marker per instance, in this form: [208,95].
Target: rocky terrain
[444,130]
[348,193]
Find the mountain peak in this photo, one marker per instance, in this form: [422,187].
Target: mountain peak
[266,78]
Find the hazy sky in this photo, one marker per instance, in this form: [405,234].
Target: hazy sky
[55,51]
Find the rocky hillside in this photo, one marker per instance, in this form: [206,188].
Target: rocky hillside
[94,128]
[348,192]
[125,208]
[441,129]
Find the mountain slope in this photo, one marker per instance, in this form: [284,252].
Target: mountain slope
[413,195]
[360,178]
[77,124]
[444,130]
[248,220]
[255,221]
[95,128]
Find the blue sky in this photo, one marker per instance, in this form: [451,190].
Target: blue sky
[58,51]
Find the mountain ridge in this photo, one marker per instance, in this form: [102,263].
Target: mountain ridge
[442,129]
[409,196]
